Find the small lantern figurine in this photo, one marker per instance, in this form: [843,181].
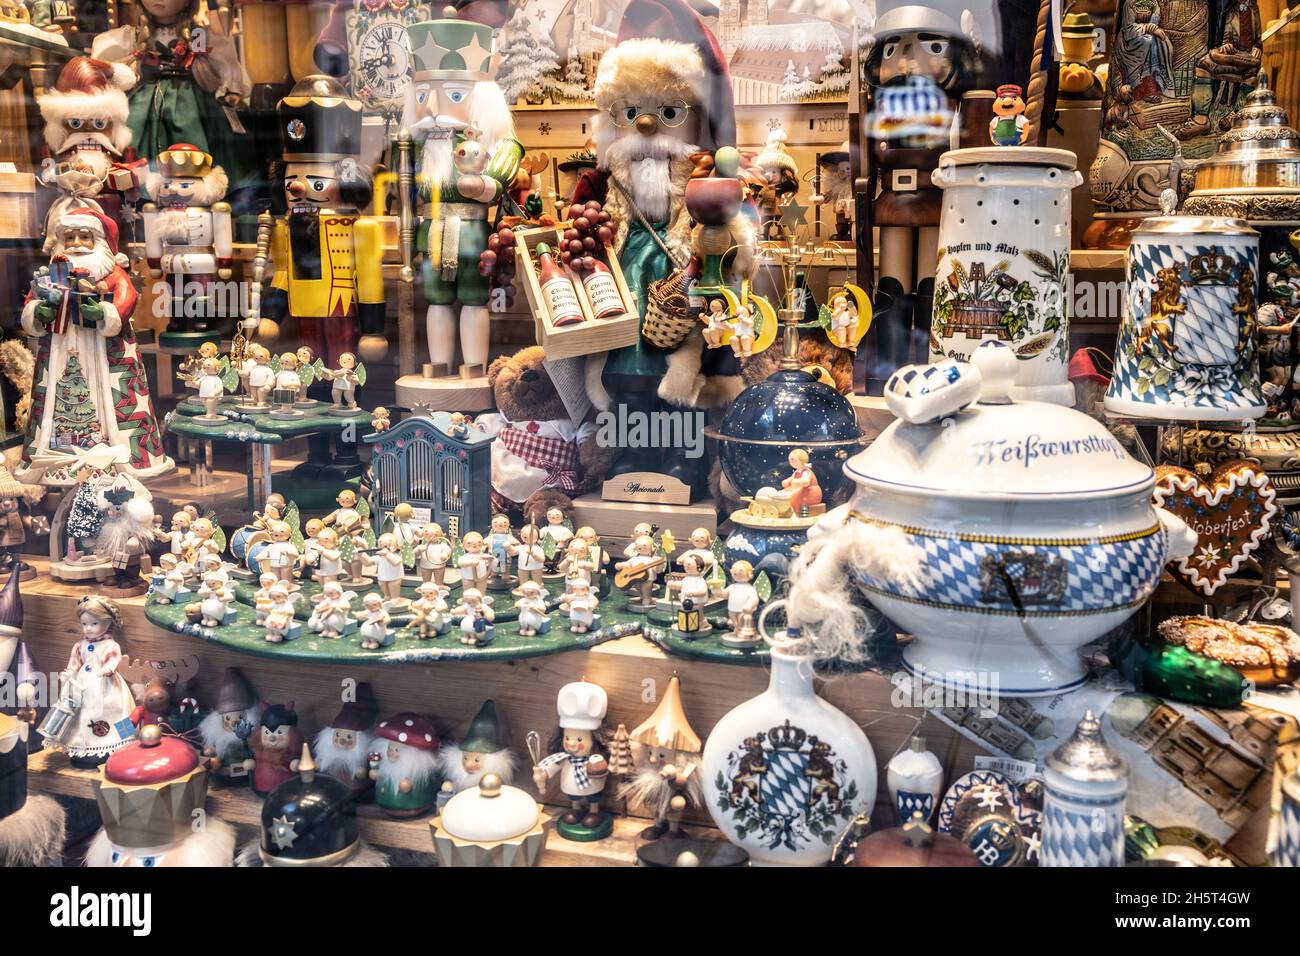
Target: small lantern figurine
[668,780]
[1083,809]
[692,596]
[577,752]
[1007,128]
[915,779]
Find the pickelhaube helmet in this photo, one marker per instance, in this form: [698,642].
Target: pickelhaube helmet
[309,820]
[319,122]
[149,790]
[451,49]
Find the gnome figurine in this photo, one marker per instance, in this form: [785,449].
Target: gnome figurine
[405,770]
[343,748]
[275,746]
[227,727]
[668,778]
[15,656]
[481,752]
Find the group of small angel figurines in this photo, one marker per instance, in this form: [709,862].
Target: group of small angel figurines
[735,329]
[191,570]
[272,384]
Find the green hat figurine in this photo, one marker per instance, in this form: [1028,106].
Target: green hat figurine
[451,49]
[484,734]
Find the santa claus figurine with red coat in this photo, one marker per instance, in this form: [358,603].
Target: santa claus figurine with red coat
[90,386]
[663,98]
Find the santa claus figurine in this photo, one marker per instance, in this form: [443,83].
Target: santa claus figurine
[91,161]
[187,238]
[663,95]
[90,387]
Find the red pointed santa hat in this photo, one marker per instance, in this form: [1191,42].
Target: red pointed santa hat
[86,218]
[88,89]
[665,50]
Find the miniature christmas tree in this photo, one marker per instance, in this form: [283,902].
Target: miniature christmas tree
[76,423]
[789,90]
[84,516]
[526,55]
[621,761]
[834,78]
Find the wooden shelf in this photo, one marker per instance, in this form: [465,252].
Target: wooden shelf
[51,773]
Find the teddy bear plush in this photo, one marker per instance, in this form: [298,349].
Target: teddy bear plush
[541,458]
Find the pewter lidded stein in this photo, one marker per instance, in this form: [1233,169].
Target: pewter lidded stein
[1186,346]
[1083,809]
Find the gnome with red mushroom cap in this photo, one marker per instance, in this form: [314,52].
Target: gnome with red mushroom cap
[90,386]
[405,769]
[343,748]
[275,745]
[663,96]
[91,162]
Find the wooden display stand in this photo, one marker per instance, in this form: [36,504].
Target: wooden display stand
[445,394]
[525,692]
[582,338]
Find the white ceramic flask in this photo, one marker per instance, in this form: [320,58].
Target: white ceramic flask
[1083,807]
[1004,261]
[785,772]
[915,780]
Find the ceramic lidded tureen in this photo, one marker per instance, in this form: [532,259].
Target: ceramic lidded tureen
[490,825]
[1035,528]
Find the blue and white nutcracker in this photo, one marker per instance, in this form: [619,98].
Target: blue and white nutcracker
[915,779]
[1187,346]
[1083,808]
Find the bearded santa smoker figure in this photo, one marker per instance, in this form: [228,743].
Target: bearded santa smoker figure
[187,238]
[454,100]
[90,386]
[662,95]
[91,160]
[326,256]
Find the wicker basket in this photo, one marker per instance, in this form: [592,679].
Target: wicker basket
[669,316]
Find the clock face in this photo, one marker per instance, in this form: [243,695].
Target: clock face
[381,63]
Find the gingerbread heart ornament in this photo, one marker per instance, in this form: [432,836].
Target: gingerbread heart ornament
[1231,513]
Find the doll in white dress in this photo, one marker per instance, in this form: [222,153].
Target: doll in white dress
[101,723]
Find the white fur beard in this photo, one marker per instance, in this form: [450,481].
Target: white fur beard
[336,761]
[116,533]
[435,160]
[174,226]
[213,733]
[97,263]
[34,835]
[214,846]
[363,854]
[836,186]
[644,164]
[647,789]
[501,763]
[417,766]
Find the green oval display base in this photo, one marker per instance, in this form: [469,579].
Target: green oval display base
[580,834]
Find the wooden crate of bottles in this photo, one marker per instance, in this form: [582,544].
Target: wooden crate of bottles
[590,335]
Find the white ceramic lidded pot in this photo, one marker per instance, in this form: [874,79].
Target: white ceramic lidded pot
[1004,259]
[1035,528]
[785,772]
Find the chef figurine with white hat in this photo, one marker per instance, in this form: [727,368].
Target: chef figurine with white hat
[579,754]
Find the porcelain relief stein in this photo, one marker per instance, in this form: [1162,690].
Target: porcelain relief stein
[785,772]
[1004,258]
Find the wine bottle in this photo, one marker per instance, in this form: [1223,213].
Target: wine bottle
[602,291]
[561,298]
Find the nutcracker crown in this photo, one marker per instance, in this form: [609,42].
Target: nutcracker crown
[319,122]
[184,160]
[149,792]
[451,49]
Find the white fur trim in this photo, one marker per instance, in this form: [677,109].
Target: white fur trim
[112,321]
[635,69]
[29,318]
[33,836]
[108,104]
[124,77]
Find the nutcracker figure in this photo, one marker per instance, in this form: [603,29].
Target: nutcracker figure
[91,161]
[326,256]
[455,100]
[90,386]
[919,65]
[187,239]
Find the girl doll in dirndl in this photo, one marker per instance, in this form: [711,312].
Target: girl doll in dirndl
[106,703]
